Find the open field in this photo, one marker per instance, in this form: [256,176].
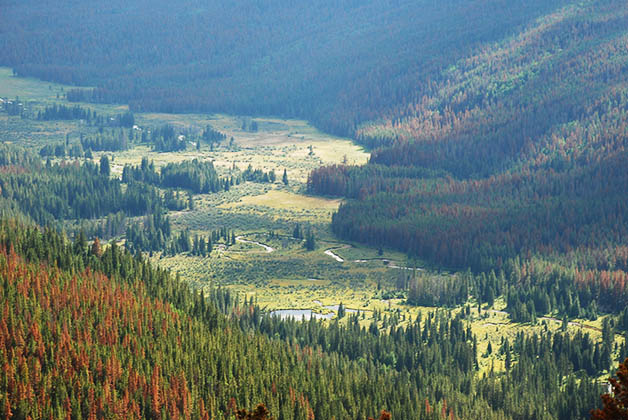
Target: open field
[28,89]
[286,205]
[285,200]
[36,95]
[40,93]
[278,149]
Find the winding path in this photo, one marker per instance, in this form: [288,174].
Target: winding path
[578,324]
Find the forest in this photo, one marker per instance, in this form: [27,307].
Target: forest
[47,193]
[91,331]
[518,162]
[279,68]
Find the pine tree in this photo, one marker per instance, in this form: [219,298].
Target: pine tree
[310,241]
[341,311]
[260,413]
[296,233]
[105,169]
[385,415]
[96,248]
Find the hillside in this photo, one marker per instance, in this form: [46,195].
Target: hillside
[337,64]
[521,148]
[93,333]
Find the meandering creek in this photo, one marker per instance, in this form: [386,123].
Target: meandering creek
[268,249]
[390,264]
[334,256]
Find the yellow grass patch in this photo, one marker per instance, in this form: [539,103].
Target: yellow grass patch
[286,200]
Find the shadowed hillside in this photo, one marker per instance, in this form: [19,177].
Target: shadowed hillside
[336,63]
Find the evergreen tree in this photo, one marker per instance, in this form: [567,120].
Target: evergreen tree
[310,241]
[296,232]
[341,311]
[105,170]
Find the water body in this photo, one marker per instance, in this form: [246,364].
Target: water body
[387,262]
[246,241]
[307,314]
[404,268]
[334,256]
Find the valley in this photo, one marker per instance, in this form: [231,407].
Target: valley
[263,261]
[280,210]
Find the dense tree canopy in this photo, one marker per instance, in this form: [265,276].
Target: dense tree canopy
[515,152]
[498,138]
[335,63]
[615,404]
[74,315]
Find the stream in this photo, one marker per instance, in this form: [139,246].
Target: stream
[268,249]
[334,256]
[387,262]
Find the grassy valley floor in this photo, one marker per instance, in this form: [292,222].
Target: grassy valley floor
[266,262]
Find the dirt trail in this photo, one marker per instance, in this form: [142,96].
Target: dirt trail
[579,324]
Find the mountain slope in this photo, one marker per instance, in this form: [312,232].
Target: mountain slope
[514,154]
[553,96]
[92,334]
[336,63]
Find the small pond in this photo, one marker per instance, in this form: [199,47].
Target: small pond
[300,314]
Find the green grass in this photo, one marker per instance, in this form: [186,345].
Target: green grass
[27,88]
[41,93]
[36,95]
